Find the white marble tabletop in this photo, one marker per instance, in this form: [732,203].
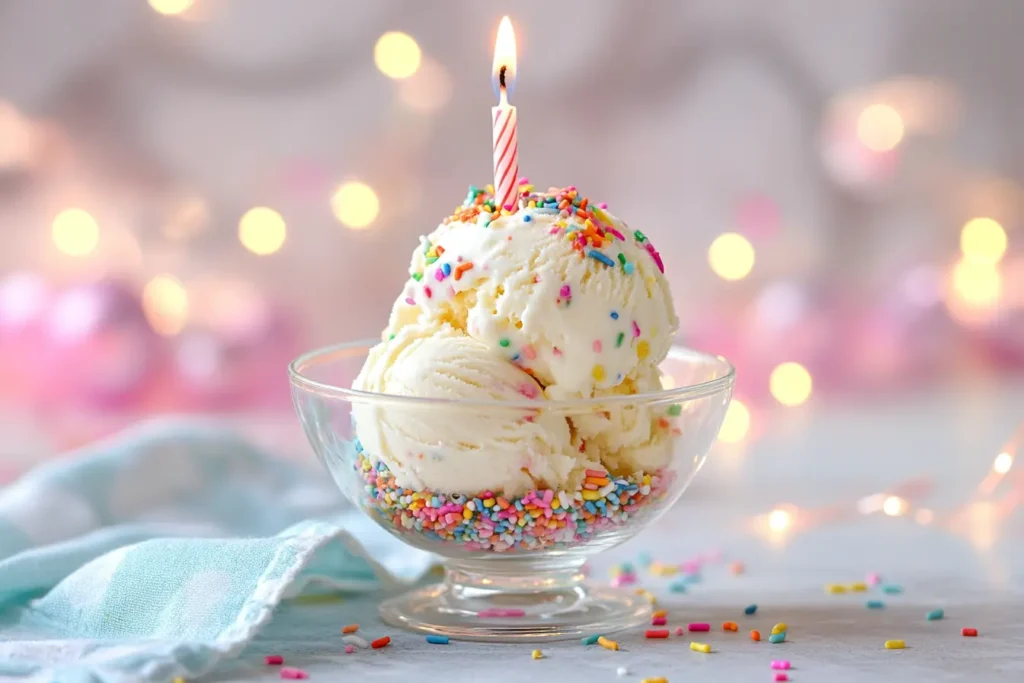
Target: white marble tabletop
[952,546]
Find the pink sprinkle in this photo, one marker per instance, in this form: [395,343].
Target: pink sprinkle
[780,664]
[557,351]
[496,612]
[690,567]
[524,181]
[597,346]
[554,231]
[699,627]
[509,207]
[349,649]
[529,390]
[603,205]
[874,578]
[293,674]
[656,256]
[438,274]
[615,232]
[636,329]
[274,660]
[679,630]
[529,352]
[600,474]
[659,621]
[623,580]
[426,290]
[565,291]
[409,300]
[781,677]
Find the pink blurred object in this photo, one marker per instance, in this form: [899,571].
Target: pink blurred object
[758,216]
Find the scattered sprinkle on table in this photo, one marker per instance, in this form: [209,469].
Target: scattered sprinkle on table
[935,615]
[755,635]
[777,638]
[835,588]
[659,614]
[658,621]
[678,587]
[273,660]
[622,671]
[383,641]
[874,604]
[437,640]
[858,587]
[737,568]
[700,647]
[698,627]
[679,630]
[780,677]
[293,674]
[591,640]
[607,644]
[536,654]
[179,679]
[730,626]
[892,589]
[349,649]
[780,627]
[750,609]
[969,632]
[656,633]
[656,679]
[873,578]
[895,645]
[781,664]
[351,628]
[355,640]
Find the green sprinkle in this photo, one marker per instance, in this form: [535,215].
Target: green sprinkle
[590,640]
[639,236]
[431,259]
[675,411]
[417,276]
[390,337]
[618,340]
[504,342]
[935,614]
[622,258]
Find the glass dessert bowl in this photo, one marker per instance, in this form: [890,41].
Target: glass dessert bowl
[513,558]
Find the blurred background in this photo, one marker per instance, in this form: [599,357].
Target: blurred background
[193,191]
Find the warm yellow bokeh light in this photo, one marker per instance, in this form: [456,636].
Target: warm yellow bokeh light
[262,231]
[736,423]
[983,240]
[75,232]
[171,6]
[1002,463]
[790,384]
[880,128]
[894,506]
[977,284]
[397,55]
[779,520]
[731,256]
[355,205]
[165,303]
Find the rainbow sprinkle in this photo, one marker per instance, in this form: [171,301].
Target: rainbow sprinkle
[487,522]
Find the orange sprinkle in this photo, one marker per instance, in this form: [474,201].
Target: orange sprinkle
[439,249]
[380,642]
[351,628]
[564,204]
[660,613]
[583,204]
[603,481]
[462,268]
[755,635]
[730,626]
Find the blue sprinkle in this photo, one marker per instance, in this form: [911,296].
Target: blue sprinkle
[615,315]
[935,614]
[692,578]
[750,609]
[526,218]
[892,589]
[515,358]
[777,637]
[678,587]
[591,508]
[627,268]
[598,256]
[874,604]
[437,640]
[447,269]
[613,498]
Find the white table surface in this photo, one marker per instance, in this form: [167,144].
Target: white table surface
[967,561]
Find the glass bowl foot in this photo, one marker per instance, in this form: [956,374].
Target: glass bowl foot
[515,601]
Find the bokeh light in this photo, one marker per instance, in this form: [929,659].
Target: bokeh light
[983,240]
[262,230]
[974,286]
[736,423]
[1002,463]
[75,232]
[779,520]
[731,256]
[428,90]
[894,506]
[790,383]
[880,128]
[397,55]
[170,7]
[355,205]
[165,303]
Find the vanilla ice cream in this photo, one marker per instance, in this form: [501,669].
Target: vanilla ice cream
[436,446]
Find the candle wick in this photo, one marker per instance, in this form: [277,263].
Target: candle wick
[501,77]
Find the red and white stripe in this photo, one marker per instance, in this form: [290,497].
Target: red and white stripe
[506,155]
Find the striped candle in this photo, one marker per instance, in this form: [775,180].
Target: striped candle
[504,132]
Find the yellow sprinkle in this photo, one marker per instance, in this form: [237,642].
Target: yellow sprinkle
[607,644]
[700,647]
[780,627]
[591,495]
[895,645]
[179,679]
[858,587]
[598,373]
[835,588]
[467,513]
[537,654]
[488,502]
[643,349]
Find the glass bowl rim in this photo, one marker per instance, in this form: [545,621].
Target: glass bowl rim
[676,394]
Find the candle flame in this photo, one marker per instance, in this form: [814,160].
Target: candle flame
[504,58]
